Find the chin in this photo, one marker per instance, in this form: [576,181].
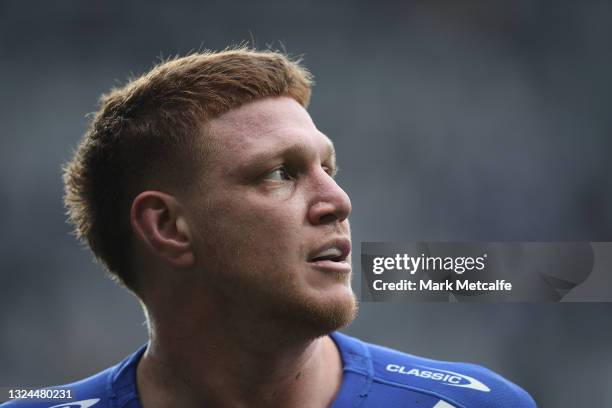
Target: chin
[316,316]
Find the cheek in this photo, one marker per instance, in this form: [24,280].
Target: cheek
[258,221]
[270,212]
[252,232]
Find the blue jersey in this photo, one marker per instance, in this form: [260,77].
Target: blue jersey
[373,376]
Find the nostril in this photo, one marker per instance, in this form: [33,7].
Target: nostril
[327,219]
[326,212]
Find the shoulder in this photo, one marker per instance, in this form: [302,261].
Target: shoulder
[114,387]
[465,385]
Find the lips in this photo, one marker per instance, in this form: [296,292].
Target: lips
[335,251]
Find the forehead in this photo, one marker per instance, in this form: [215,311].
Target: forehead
[267,125]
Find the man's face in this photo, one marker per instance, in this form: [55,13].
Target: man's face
[272,235]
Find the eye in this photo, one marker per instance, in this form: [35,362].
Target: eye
[330,170]
[279,174]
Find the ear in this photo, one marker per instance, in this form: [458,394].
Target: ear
[159,223]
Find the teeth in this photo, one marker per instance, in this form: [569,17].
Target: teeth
[332,252]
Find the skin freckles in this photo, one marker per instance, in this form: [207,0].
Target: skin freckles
[268,201]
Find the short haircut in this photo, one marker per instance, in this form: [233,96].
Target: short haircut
[149,133]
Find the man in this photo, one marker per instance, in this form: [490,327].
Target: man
[206,189]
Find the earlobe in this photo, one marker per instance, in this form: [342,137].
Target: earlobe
[158,222]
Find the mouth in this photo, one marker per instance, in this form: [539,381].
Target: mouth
[332,256]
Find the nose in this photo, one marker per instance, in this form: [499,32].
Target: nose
[330,202]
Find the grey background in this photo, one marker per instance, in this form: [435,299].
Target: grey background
[471,120]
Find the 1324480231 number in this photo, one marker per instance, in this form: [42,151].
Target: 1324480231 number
[46,394]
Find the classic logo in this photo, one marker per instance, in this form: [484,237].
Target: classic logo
[78,404]
[444,376]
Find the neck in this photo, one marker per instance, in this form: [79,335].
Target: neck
[238,360]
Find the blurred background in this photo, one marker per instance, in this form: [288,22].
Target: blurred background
[472,120]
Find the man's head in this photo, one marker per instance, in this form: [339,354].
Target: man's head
[209,165]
